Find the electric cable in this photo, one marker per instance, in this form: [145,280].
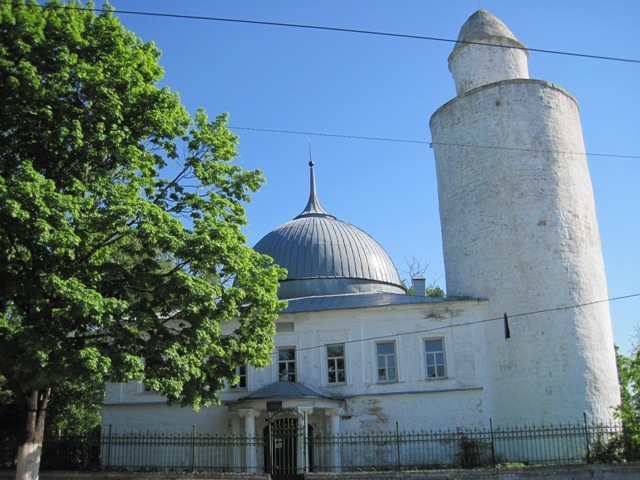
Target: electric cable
[424,142]
[333,29]
[465,324]
[350,30]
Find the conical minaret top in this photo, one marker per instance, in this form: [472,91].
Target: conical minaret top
[313,205]
[487,52]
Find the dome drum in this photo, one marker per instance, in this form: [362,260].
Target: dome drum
[309,287]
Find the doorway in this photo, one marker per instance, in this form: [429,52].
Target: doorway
[285,449]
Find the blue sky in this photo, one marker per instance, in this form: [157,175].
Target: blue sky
[349,84]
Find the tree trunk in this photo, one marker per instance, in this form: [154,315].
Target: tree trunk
[28,461]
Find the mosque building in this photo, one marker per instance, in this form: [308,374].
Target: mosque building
[520,337]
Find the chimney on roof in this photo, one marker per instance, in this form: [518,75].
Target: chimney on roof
[419,286]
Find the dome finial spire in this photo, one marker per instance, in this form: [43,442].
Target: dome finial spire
[310,158]
[313,205]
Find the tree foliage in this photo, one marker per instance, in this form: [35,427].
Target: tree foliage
[624,447]
[120,218]
[629,409]
[75,410]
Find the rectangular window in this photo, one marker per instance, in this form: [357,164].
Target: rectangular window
[287,364]
[387,369]
[282,327]
[241,372]
[336,369]
[434,351]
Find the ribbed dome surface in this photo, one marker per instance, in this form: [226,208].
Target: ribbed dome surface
[319,247]
[325,256]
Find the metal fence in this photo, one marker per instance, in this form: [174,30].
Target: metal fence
[180,452]
[536,445]
[386,450]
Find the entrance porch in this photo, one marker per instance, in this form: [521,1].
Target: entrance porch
[286,415]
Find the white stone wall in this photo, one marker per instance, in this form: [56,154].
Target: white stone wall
[475,65]
[414,401]
[519,228]
[161,418]
[362,328]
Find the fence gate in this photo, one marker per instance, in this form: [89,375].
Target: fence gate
[286,450]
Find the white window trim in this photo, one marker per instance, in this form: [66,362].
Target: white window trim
[237,388]
[142,390]
[277,362]
[424,359]
[376,377]
[326,364]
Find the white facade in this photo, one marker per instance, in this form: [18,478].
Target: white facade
[363,400]
[520,236]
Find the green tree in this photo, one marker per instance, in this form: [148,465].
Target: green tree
[434,291]
[120,220]
[75,410]
[629,409]
[74,415]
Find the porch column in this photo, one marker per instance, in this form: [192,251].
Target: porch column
[236,453]
[334,429]
[249,415]
[303,447]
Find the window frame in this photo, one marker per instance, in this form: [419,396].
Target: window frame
[432,356]
[145,389]
[387,367]
[243,376]
[290,375]
[334,361]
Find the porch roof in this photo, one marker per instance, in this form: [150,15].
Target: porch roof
[285,389]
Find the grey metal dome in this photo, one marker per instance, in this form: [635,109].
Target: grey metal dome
[325,256]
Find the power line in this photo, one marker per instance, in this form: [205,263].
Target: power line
[355,137]
[337,135]
[341,30]
[425,142]
[476,322]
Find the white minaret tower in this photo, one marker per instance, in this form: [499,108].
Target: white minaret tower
[519,228]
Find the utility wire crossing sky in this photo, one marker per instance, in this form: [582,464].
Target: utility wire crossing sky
[347,30]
